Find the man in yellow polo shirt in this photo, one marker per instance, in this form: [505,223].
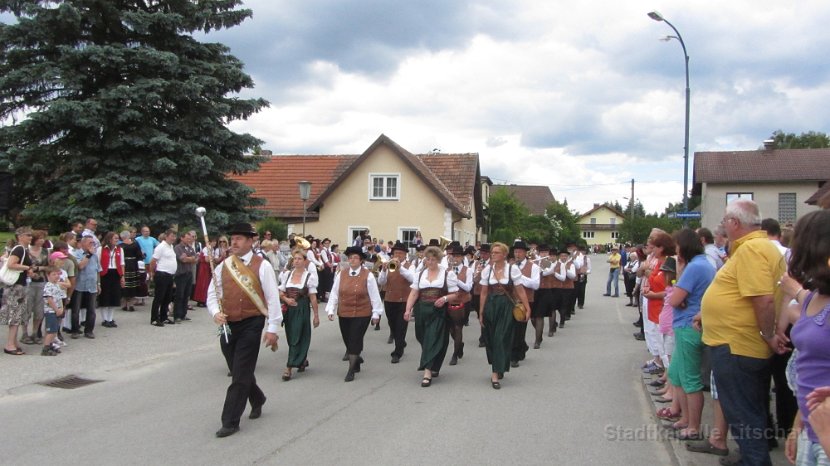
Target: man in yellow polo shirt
[738,316]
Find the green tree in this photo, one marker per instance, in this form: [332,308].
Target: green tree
[565,227]
[508,216]
[808,140]
[117,112]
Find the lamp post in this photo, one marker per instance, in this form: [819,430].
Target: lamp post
[305,192]
[658,17]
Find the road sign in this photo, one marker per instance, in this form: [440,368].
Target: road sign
[687,214]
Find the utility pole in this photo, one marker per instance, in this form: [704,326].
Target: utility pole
[632,198]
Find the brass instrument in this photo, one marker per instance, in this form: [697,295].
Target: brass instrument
[444,242]
[545,263]
[301,242]
[392,266]
[378,264]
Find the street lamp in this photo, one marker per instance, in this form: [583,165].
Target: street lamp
[658,17]
[305,193]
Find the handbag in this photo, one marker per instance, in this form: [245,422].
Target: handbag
[519,312]
[8,276]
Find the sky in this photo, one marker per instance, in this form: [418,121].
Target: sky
[579,96]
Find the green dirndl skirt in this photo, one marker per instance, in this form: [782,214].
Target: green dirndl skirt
[298,331]
[498,331]
[433,333]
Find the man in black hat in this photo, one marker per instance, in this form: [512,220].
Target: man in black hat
[543,297]
[530,282]
[481,263]
[397,291]
[356,300]
[459,317]
[245,295]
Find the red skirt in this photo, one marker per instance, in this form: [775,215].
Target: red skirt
[203,277]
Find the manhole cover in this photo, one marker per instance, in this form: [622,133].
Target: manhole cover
[69,382]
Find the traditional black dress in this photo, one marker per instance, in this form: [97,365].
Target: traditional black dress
[432,326]
[298,318]
[498,316]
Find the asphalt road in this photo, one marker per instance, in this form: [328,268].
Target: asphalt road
[578,400]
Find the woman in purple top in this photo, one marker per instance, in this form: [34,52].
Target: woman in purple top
[810,266]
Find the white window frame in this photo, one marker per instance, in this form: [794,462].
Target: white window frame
[351,236]
[731,196]
[401,230]
[385,176]
[587,235]
[615,235]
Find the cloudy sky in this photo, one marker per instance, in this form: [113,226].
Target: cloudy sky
[579,96]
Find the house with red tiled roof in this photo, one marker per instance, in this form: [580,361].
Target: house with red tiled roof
[779,180]
[386,190]
[535,198]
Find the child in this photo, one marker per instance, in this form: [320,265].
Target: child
[56,259]
[52,309]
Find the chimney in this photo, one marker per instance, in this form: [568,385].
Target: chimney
[769,144]
[266,153]
[596,205]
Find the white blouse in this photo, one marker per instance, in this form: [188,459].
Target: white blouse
[423,280]
[489,278]
[312,282]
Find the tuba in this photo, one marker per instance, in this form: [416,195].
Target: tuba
[444,242]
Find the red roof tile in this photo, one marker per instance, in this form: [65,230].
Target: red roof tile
[452,176]
[824,189]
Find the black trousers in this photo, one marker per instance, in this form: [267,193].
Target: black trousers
[579,286]
[163,282]
[519,349]
[630,281]
[397,325]
[474,304]
[353,329]
[184,285]
[241,353]
[88,301]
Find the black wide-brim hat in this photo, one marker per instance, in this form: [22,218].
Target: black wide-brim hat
[520,245]
[355,250]
[456,249]
[485,247]
[543,247]
[244,229]
[400,247]
[434,242]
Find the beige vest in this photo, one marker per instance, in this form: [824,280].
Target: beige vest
[235,303]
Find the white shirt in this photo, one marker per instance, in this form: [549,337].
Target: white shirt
[566,272]
[489,278]
[466,285]
[408,273]
[165,258]
[286,283]
[269,287]
[374,295]
[423,280]
[531,282]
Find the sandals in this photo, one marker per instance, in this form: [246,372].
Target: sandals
[286,375]
[495,384]
[660,399]
[426,382]
[667,414]
[303,366]
[14,352]
[705,446]
[27,340]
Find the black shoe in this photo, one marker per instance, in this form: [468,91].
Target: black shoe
[579,307]
[562,324]
[90,335]
[157,323]
[453,360]
[186,319]
[345,357]
[256,411]
[537,345]
[435,373]
[606,294]
[389,340]
[357,365]
[514,363]
[178,321]
[349,376]
[169,322]
[496,384]
[75,335]
[377,327]
[461,352]
[481,344]
[230,374]
[105,323]
[426,382]
[640,336]
[396,359]
[113,324]
[226,431]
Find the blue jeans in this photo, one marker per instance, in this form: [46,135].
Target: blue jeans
[613,277]
[742,391]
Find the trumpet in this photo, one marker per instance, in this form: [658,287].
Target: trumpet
[392,266]
[301,242]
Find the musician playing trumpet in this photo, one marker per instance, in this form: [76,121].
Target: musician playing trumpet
[459,309]
[544,296]
[397,285]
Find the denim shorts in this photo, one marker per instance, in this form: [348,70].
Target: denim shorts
[51,322]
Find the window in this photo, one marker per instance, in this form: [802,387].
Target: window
[593,220]
[786,207]
[587,234]
[732,196]
[615,234]
[384,186]
[613,221]
[407,236]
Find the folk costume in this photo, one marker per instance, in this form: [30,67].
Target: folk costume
[356,300]
[530,281]
[564,274]
[543,300]
[397,285]
[112,272]
[478,268]
[248,290]
[298,318]
[432,322]
[498,314]
[459,308]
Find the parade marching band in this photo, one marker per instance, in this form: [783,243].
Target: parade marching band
[435,287]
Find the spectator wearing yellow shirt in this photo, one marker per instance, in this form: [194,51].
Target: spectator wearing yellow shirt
[738,317]
[614,273]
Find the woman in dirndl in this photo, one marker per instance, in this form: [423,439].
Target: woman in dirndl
[132,280]
[500,289]
[204,273]
[433,288]
[299,292]
[112,278]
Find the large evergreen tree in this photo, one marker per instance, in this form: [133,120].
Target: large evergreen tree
[112,109]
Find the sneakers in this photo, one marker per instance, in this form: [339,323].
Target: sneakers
[47,351]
